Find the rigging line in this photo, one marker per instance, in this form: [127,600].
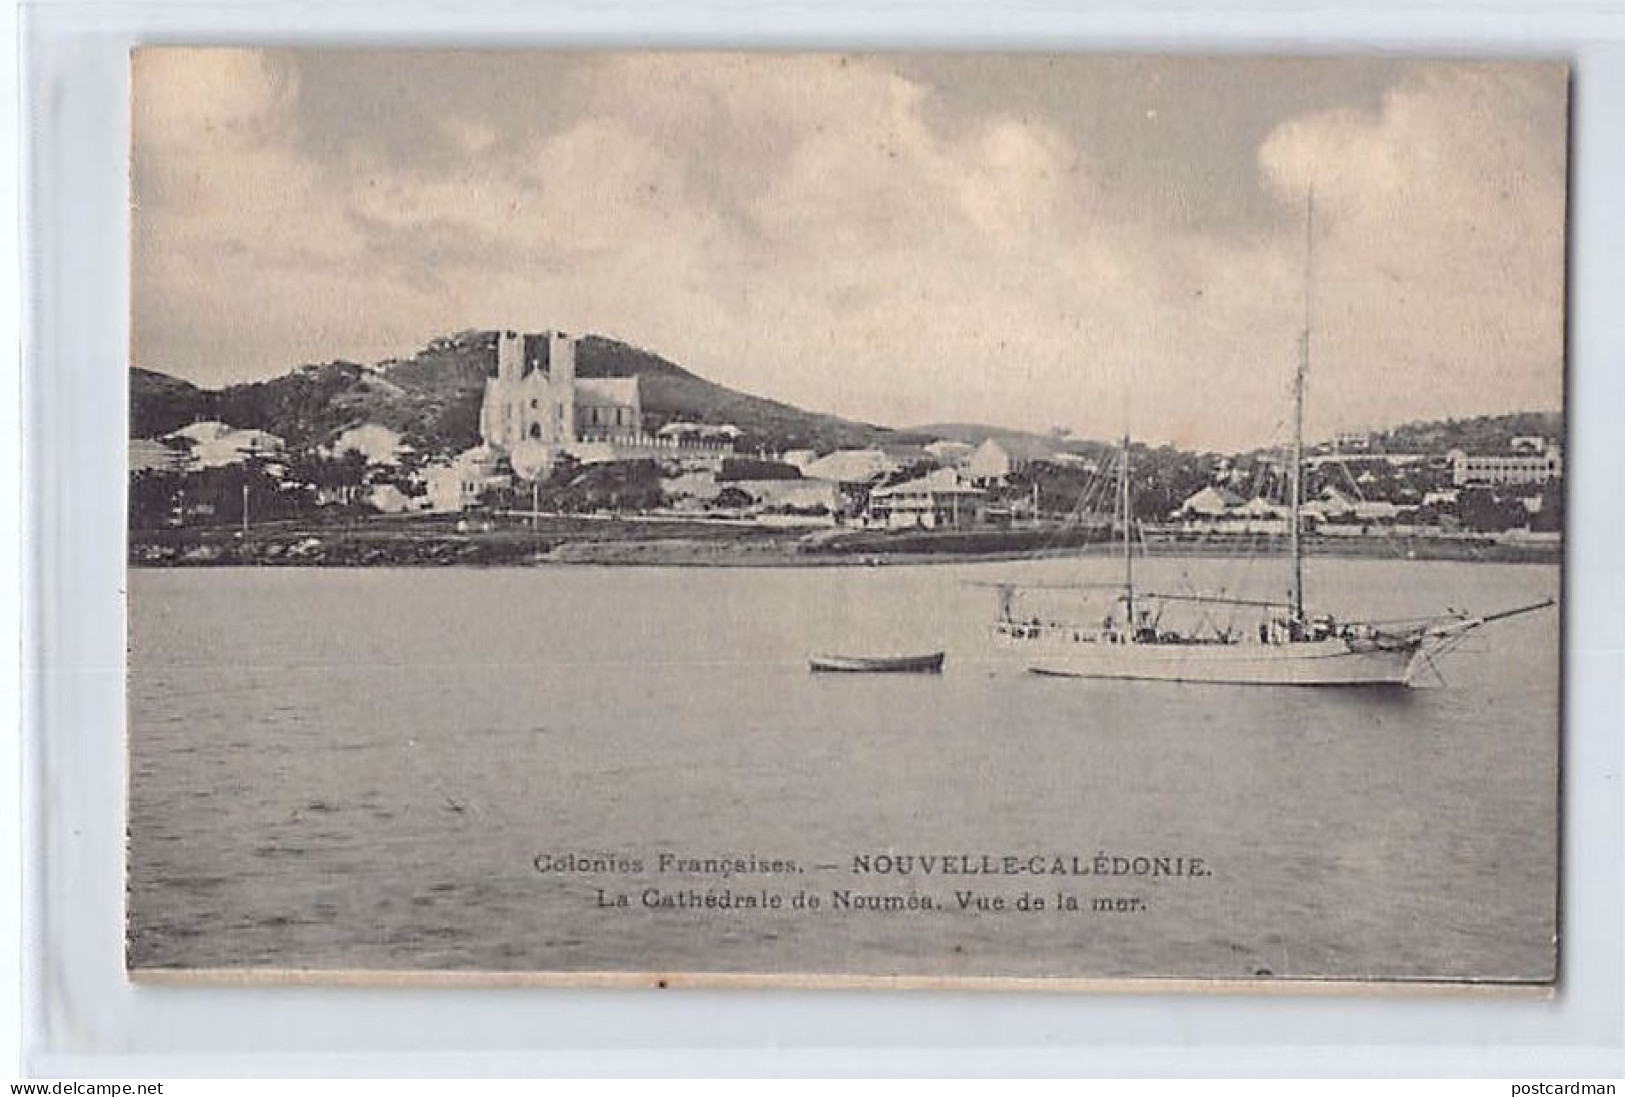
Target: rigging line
[1452,615]
[1067,519]
[1082,505]
[1215,599]
[1348,475]
[1088,498]
[1250,546]
[1073,518]
[1390,542]
[1239,550]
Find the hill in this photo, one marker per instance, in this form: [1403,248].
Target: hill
[433,398]
[1481,434]
[673,393]
[160,403]
[1026,444]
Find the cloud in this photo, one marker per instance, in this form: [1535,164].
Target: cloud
[844,233]
[1439,244]
[223,97]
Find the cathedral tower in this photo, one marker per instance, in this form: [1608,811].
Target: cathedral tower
[561,375]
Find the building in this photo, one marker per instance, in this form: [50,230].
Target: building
[389,499]
[1210,502]
[536,408]
[1380,510]
[997,459]
[1331,505]
[937,500]
[1216,509]
[147,455]
[213,444]
[204,430]
[852,466]
[685,433]
[822,496]
[459,483]
[990,463]
[1069,459]
[1259,507]
[1506,469]
[536,397]
[379,444]
[906,454]
[949,452]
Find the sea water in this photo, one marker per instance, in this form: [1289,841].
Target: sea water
[514,769]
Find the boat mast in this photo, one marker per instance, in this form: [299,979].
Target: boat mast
[1128,536]
[1297,414]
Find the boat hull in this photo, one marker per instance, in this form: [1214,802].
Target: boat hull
[896,664]
[1309,663]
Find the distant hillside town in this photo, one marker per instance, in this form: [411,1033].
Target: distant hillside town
[492,425]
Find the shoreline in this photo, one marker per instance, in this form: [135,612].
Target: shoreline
[596,542]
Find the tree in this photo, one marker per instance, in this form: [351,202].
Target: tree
[733,498]
[155,498]
[1549,519]
[336,479]
[1482,509]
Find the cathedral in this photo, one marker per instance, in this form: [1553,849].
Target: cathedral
[536,401]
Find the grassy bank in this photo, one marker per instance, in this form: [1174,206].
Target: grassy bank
[446,540]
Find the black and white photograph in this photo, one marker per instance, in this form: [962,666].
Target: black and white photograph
[817,519]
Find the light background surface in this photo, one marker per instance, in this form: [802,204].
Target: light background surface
[85,1019]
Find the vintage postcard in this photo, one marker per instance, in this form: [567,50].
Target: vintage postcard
[820,519]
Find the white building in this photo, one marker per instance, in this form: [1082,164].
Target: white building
[1379,510]
[1259,507]
[204,430]
[997,459]
[852,466]
[389,499]
[803,494]
[1210,502]
[937,500]
[1506,468]
[458,484]
[948,451]
[680,431]
[535,397]
[989,463]
[536,408]
[1332,503]
[147,455]
[1069,459]
[213,444]
[379,444]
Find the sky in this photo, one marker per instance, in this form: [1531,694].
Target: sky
[1102,244]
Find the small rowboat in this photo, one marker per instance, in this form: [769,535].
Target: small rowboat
[883,664]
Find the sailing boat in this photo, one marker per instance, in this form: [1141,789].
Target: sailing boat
[1289,647]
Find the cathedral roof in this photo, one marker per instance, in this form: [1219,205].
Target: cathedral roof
[614,390]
